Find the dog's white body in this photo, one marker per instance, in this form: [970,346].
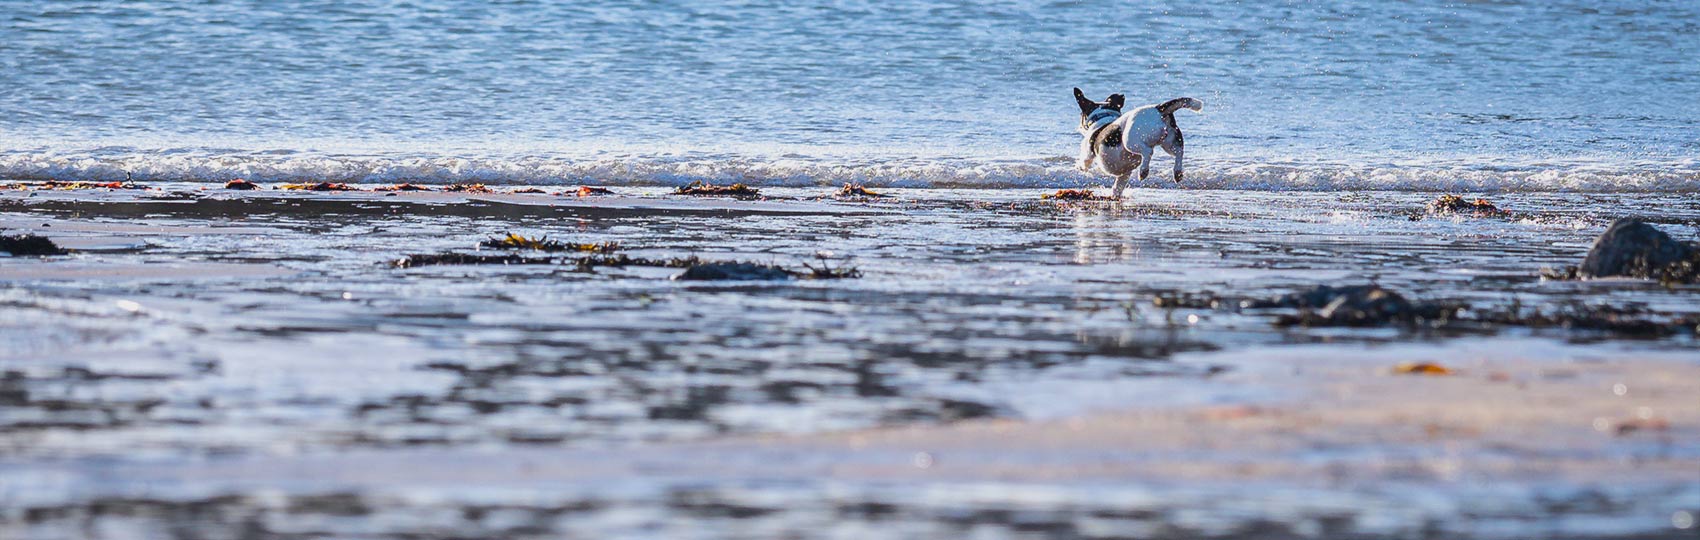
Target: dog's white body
[1115,142]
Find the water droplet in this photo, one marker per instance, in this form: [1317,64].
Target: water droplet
[1682,519]
[1620,389]
[923,460]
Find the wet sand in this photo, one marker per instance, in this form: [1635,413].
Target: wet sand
[248,363]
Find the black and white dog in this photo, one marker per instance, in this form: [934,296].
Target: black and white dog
[1115,142]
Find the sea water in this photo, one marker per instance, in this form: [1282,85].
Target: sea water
[1559,95]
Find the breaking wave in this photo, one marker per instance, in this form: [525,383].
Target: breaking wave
[794,170]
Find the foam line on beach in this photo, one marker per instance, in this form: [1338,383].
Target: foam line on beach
[1475,174]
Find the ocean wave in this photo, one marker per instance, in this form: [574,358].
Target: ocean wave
[794,170]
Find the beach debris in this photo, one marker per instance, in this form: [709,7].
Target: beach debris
[528,190]
[856,191]
[1632,248]
[700,188]
[450,258]
[826,270]
[1455,204]
[240,184]
[1421,368]
[468,188]
[1360,305]
[1627,427]
[515,241]
[586,191]
[321,186]
[405,186]
[734,271]
[1075,195]
[29,244]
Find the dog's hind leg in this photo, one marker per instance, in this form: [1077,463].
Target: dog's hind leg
[1144,160]
[1121,184]
[1176,147]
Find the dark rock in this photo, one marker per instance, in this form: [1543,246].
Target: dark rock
[29,244]
[1632,248]
[734,272]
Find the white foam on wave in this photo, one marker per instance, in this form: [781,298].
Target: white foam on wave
[797,170]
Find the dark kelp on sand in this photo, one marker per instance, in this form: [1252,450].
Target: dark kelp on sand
[515,241]
[241,185]
[28,244]
[1075,195]
[1374,306]
[587,191]
[403,187]
[856,191]
[468,188]
[450,258]
[321,186]
[701,188]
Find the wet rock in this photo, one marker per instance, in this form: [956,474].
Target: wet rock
[1632,248]
[1454,204]
[240,184]
[734,272]
[29,244]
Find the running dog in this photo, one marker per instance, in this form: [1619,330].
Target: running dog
[1115,142]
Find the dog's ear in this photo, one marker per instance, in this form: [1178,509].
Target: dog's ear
[1116,101]
[1086,105]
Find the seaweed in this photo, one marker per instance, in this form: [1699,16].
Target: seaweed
[29,244]
[856,191]
[514,241]
[240,184]
[827,271]
[1075,195]
[1359,306]
[586,191]
[405,186]
[1421,368]
[468,188]
[1628,321]
[528,190]
[622,260]
[450,258]
[57,184]
[1454,204]
[321,186]
[734,190]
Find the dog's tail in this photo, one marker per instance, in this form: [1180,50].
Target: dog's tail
[1169,107]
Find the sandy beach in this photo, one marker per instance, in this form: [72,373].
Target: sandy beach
[1004,366]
